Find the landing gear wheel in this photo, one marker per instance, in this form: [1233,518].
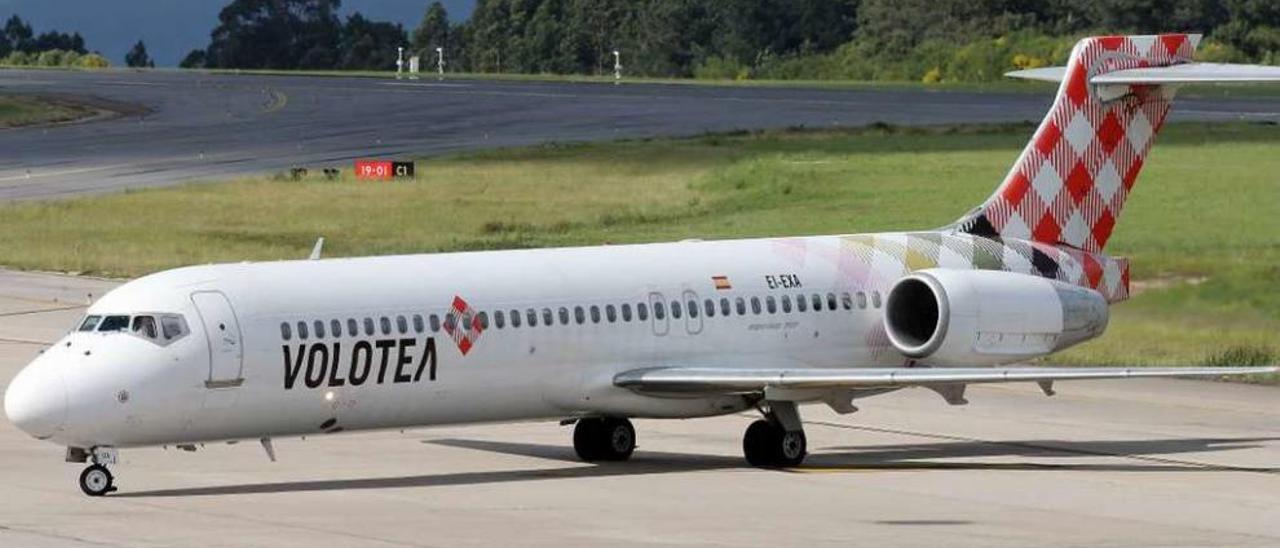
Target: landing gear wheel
[604,439]
[766,444]
[97,481]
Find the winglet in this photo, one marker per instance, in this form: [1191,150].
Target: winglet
[315,251]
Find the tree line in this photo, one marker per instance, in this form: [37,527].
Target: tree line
[21,46]
[930,40]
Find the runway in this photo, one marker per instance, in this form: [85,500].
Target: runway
[1115,463]
[196,126]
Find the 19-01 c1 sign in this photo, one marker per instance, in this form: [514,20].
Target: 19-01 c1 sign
[383,170]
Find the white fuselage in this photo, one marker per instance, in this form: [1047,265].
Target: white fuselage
[236,375]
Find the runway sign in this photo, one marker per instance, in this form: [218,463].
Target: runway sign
[383,170]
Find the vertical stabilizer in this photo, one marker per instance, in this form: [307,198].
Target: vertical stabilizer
[1070,183]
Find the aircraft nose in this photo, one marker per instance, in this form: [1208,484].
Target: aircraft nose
[36,401]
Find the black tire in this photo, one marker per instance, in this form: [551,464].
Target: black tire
[97,481]
[604,439]
[767,445]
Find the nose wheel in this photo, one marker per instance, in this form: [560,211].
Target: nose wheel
[97,481]
[604,439]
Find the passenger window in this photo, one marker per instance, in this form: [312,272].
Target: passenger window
[368,327]
[659,311]
[801,304]
[786,303]
[466,323]
[499,319]
[564,315]
[515,319]
[817,303]
[579,315]
[642,312]
[482,319]
[755,305]
[709,307]
[113,323]
[595,314]
[610,313]
[353,327]
[741,305]
[174,327]
[145,327]
[875,299]
[285,332]
[692,307]
[724,306]
[846,301]
[435,323]
[675,309]
[532,316]
[90,323]
[450,321]
[547,319]
[319,329]
[385,323]
[770,304]
[402,324]
[862,300]
[831,301]
[335,326]
[626,312]
[302,331]
[418,325]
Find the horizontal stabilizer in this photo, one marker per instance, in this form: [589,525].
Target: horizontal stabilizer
[739,381]
[1186,73]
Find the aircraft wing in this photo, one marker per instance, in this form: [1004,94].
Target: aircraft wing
[690,380]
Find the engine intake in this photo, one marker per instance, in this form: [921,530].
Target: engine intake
[988,317]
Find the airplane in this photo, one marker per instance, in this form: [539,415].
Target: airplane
[596,336]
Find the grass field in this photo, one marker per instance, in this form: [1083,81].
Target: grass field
[21,110]
[1202,227]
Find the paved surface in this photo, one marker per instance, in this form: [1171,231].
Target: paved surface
[1125,463]
[201,126]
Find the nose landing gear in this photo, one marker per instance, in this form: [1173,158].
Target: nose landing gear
[97,481]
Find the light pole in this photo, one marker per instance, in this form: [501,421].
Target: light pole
[617,67]
[440,63]
[399,61]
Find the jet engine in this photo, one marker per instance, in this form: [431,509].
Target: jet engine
[987,317]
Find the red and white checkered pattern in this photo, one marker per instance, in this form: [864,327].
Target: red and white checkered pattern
[461,324]
[1071,182]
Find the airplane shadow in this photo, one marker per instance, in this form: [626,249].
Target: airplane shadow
[1140,456]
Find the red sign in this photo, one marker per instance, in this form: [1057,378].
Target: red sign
[383,170]
[373,170]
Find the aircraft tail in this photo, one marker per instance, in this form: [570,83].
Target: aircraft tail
[1070,183]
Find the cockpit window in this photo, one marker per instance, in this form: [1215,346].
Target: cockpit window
[173,327]
[145,327]
[113,323]
[90,323]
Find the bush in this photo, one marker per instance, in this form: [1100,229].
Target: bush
[94,61]
[51,58]
[18,59]
[721,68]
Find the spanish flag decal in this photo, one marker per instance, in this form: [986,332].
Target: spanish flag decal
[722,283]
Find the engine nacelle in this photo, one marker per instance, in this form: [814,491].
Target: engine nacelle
[988,317]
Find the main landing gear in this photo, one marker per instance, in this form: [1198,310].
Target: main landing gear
[604,439]
[776,441]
